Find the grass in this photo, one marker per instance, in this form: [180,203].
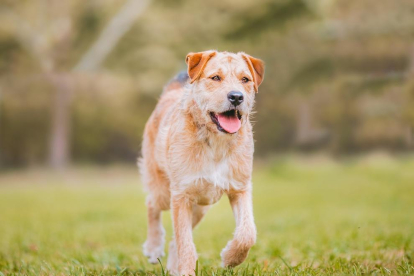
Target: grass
[314,217]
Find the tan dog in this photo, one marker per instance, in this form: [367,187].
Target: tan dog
[198,144]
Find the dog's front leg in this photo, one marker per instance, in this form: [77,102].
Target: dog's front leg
[245,234]
[182,220]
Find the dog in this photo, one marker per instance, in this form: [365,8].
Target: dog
[197,146]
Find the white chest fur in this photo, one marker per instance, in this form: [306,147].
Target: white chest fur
[215,173]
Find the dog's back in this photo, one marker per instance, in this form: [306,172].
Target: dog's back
[150,171]
[170,96]
[179,81]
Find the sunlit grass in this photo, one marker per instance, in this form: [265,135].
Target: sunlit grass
[314,217]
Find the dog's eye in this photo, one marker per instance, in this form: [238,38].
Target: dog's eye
[216,78]
[245,80]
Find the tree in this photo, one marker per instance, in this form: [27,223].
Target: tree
[42,45]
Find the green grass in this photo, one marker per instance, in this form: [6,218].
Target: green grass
[314,217]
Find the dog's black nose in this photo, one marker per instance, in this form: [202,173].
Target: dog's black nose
[235,97]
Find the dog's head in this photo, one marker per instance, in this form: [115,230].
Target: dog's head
[223,88]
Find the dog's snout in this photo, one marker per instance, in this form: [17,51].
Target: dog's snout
[235,97]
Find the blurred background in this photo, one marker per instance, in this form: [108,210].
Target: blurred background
[334,129]
[79,79]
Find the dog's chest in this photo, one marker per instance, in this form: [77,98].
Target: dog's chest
[215,173]
[208,184]
[219,174]
[219,164]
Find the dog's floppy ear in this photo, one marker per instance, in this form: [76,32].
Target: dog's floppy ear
[196,63]
[256,67]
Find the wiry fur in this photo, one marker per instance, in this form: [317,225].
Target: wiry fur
[187,163]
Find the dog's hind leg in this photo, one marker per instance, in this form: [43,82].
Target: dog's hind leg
[154,246]
[158,200]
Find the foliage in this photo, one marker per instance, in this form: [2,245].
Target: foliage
[338,75]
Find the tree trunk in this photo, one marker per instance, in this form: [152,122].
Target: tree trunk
[61,122]
[304,128]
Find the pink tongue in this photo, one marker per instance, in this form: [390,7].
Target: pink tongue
[230,124]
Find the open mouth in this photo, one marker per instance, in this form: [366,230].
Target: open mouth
[227,122]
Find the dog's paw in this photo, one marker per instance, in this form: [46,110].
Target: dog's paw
[173,271]
[187,272]
[153,252]
[172,262]
[233,255]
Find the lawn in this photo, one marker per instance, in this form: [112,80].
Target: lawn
[314,216]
